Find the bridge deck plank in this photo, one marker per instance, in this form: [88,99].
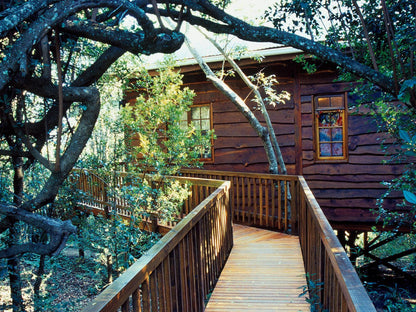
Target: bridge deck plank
[264,272]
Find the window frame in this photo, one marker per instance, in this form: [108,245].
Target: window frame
[316,137]
[211,124]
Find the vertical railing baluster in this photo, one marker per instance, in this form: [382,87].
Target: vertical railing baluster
[136,301]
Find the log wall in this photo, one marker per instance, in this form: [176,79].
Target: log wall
[346,190]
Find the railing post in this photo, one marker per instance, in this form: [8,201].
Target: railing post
[294,205]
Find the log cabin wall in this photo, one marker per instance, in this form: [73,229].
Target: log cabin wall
[237,146]
[347,190]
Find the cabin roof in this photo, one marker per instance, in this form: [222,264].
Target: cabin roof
[188,63]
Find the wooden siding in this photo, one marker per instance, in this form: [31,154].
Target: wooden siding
[237,147]
[346,190]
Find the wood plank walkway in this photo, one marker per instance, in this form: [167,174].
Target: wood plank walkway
[264,272]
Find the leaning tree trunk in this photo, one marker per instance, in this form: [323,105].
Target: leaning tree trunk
[260,101]
[261,131]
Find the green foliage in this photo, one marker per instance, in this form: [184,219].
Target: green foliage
[158,138]
[120,239]
[307,65]
[406,90]
[147,197]
[106,150]
[311,293]
[267,84]
[390,298]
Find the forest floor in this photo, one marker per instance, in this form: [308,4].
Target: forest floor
[390,291]
[68,283]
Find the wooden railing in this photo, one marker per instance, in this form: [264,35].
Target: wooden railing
[179,271]
[258,199]
[183,267]
[337,285]
[100,196]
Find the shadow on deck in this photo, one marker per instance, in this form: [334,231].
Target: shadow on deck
[264,272]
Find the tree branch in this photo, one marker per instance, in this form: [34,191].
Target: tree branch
[164,41]
[231,25]
[59,232]
[260,101]
[91,99]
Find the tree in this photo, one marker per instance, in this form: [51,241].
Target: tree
[381,36]
[48,91]
[160,142]
[266,134]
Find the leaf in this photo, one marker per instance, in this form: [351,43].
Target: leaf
[404,136]
[410,197]
[407,86]
[410,153]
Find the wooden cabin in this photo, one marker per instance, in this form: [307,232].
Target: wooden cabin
[322,135]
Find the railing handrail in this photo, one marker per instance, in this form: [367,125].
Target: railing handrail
[123,287]
[322,251]
[280,177]
[352,288]
[257,199]
[101,197]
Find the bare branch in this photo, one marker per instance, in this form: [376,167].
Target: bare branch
[366,35]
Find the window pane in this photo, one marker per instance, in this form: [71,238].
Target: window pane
[337,149]
[205,125]
[325,149]
[205,112]
[324,135]
[195,113]
[330,119]
[337,134]
[197,124]
[336,101]
[323,102]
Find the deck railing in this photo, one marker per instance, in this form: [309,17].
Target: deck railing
[179,271]
[279,202]
[258,199]
[337,285]
[101,196]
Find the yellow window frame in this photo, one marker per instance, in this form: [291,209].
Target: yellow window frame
[332,106]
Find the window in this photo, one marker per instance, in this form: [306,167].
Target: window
[200,116]
[330,127]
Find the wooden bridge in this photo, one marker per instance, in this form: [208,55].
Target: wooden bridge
[240,267]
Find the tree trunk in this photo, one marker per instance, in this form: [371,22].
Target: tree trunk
[13,262]
[18,185]
[272,135]
[38,283]
[261,131]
